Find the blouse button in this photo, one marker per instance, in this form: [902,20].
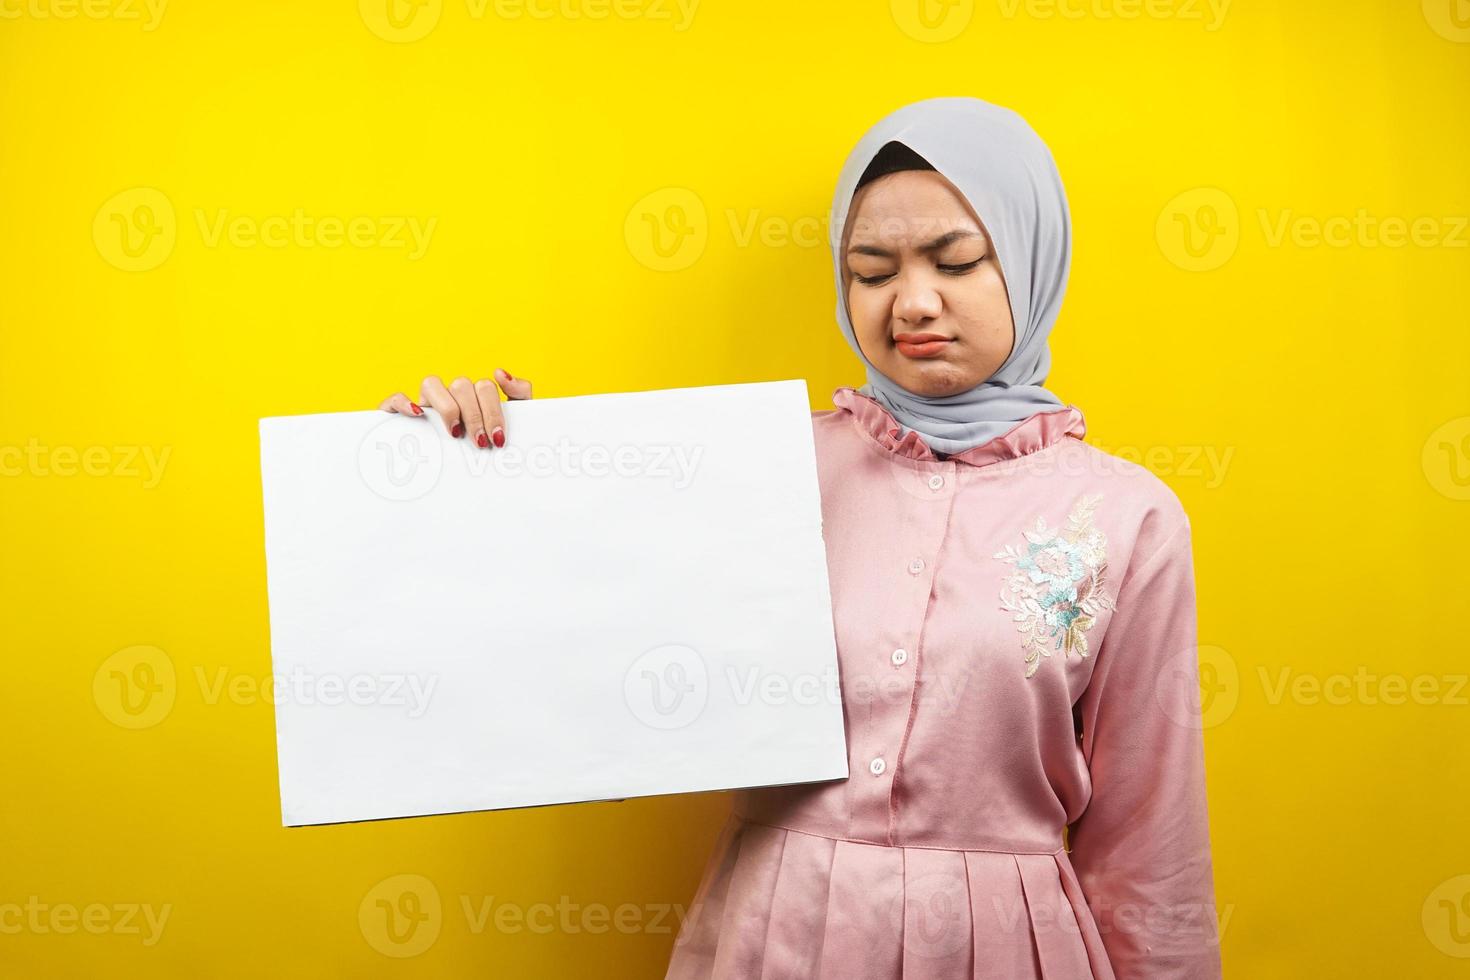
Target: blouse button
[936,481]
[916,566]
[877,766]
[900,657]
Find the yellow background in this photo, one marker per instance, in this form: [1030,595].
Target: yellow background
[1331,383]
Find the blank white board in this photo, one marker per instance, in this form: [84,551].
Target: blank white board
[630,598]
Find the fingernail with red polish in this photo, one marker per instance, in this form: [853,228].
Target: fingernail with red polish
[458,430]
[482,441]
[416,409]
[499,436]
[508,375]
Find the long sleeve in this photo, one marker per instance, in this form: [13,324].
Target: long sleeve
[1141,848]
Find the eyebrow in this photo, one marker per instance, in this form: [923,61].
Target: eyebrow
[948,238]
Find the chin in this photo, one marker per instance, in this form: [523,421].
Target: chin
[935,379]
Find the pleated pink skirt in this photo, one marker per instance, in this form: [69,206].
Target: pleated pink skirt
[778,904]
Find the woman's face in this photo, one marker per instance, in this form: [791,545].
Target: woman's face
[926,295]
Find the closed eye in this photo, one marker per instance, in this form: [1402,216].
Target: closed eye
[959,270]
[949,270]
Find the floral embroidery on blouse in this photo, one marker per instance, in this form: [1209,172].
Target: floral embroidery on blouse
[1058,586]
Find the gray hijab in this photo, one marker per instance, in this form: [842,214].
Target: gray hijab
[1006,172]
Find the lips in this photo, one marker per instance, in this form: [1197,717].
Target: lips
[921,344]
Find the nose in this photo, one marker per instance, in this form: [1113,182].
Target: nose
[917,301]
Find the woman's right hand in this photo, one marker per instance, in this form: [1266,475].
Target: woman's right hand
[466,408]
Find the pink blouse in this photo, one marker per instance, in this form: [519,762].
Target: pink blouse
[1016,641]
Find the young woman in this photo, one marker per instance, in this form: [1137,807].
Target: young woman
[1014,610]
